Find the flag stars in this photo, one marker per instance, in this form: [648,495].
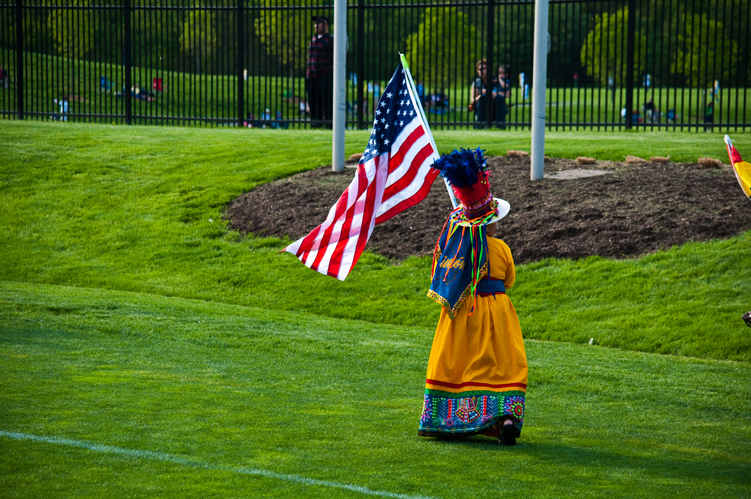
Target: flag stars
[386,142]
[387,126]
[389,95]
[383,120]
[378,111]
[401,123]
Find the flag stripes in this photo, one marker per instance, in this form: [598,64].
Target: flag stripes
[394,174]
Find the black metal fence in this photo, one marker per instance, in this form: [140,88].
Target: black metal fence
[612,64]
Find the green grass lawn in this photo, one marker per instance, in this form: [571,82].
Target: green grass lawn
[146,350]
[110,393]
[139,209]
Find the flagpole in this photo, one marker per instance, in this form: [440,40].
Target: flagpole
[416,99]
[538,88]
[340,84]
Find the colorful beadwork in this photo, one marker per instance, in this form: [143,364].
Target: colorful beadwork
[446,414]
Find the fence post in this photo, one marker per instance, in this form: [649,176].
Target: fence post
[19,58]
[360,58]
[630,64]
[240,62]
[127,62]
[490,69]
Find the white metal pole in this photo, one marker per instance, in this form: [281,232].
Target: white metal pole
[538,95]
[340,82]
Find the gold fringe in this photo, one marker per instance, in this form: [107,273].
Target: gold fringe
[452,311]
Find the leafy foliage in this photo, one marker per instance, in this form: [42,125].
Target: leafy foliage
[603,54]
[702,62]
[72,30]
[285,34]
[199,38]
[442,39]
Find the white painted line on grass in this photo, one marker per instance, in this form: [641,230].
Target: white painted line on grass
[160,456]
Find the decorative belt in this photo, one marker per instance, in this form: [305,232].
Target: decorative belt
[488,286]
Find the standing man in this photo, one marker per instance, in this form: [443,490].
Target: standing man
[319,77]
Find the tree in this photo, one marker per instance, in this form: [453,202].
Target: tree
[443,37]
[698,58]
[604,52]
[199,39]
[285,34]
[73,36]
[72,31]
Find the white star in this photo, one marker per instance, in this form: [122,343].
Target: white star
[382,135]
[398,113]
[389,95]
[387,126]
[401,123]
[386,141]
[378,111]
[404,82]
[410,113]
[382,104]
[401,103]
[388,110]
[383,120]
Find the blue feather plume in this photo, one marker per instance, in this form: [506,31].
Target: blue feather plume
[461,166]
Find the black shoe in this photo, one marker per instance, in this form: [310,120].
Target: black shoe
[508,435]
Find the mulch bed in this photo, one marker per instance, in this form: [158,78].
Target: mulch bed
[633,210]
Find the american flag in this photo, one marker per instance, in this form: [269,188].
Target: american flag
[394,174]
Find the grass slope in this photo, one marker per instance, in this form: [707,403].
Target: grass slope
[138,209]
[219,387]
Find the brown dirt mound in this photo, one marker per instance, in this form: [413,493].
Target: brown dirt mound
[633,210]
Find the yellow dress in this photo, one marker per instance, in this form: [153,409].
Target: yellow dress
[477,372]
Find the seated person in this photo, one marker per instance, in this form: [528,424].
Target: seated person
[479,88]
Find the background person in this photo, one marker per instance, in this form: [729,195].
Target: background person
[479,89]
[319,76]
[503,91]
[651,112]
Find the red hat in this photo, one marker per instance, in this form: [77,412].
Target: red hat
[466,171]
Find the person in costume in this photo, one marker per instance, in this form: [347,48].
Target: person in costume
[477,372]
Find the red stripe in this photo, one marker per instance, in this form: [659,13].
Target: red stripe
[410,175]
[472,383]
[398,158]
[367,217]
[412,200]
[340,209]
[305,244]
[336,258]
[735,156]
